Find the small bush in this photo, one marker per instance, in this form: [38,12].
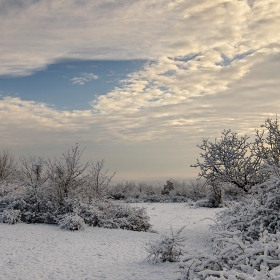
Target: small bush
[123,216]
[11,216]
[89,212]
[72,222]
[32,208]
[167,249]
[233,258]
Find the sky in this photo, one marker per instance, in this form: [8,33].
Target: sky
[138,83]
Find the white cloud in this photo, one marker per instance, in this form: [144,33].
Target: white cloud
[85,78]
[156,105]
[37,33]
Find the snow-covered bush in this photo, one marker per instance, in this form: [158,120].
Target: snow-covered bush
[256,212]
[231,193]
[63,192]
[210,202]
[214,192]
[72,222]
[9,189]
[167,249]
[234,258]
[246,238]
[89,212]
[122,216]
[263,274]
[109,214]
[197,189]
[35,209]
[132,192]
[11,216]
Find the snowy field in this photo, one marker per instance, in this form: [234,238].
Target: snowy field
[47,252]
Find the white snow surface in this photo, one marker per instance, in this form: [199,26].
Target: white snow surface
[41,251]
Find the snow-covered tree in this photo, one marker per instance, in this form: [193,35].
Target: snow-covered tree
[98,181]
[7,166]
[246,237]
[229,160]
[66,174]
[31,174]
[267,142]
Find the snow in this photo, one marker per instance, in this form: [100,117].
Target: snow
[47,252]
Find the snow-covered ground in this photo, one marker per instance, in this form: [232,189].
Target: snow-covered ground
[47,252]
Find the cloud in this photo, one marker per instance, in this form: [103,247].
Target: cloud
[37,33]
[163,101]
[85,78]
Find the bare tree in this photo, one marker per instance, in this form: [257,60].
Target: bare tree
[230,160]
[267,143]
[31,173]
[66,174]
[98,180]
[197,188]
[7,166]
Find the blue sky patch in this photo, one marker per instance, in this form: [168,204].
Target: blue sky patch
[70,85]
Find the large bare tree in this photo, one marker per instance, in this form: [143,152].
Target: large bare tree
[230,159]
[7,166]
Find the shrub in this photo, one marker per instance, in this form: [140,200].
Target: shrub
[33,209]
[152,192]
[257,212]
[97,213]
[123,216]
[89,212]
[234,258]
[11,216]
[167,249]
[197,189]
[245,243]
[72,222]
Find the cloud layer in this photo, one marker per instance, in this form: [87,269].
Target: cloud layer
[36,33]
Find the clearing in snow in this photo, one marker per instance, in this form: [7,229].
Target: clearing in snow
[42,251]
